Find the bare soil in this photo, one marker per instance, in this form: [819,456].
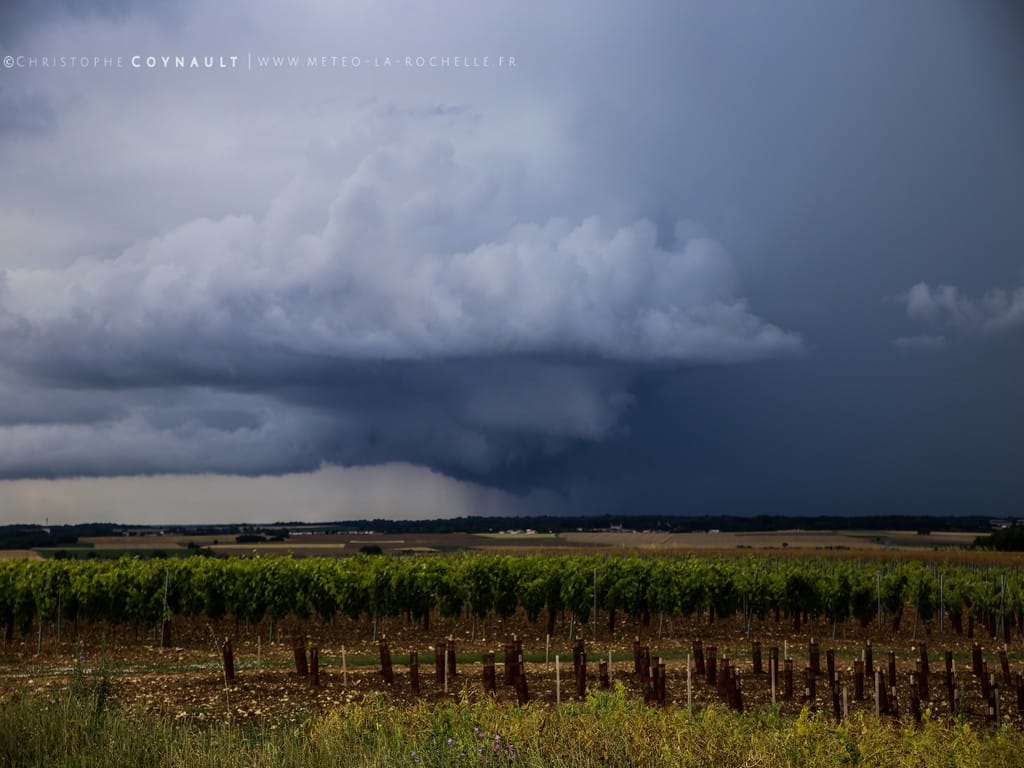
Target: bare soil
[187,681]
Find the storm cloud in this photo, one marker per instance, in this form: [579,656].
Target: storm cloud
[412,258]
[405,264]
[652,266]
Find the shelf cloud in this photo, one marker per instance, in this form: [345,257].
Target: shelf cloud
[403,269]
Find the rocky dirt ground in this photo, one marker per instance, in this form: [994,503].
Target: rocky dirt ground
[186,681]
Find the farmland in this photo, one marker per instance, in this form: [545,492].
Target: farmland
[319,544]
[149,636]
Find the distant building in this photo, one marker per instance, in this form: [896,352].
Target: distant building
[1001,524]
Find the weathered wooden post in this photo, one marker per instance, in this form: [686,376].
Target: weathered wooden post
[711,665]
[689,687]
[734,697]
[509,663]
[440,651]
[810,692]
[299,652]
[814,657]
[950,680]
[722,681]
[229,659]
[450,649]
[522,690]
[314,665]
[489,681]
[992,700]
[915,698]
[580,664]
[558,681]
[386,670]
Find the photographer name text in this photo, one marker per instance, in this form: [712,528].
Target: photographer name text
[252,61]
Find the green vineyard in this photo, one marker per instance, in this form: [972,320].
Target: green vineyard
[885,595]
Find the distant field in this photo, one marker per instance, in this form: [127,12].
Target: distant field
[15,554]
[837,542]
[773,540]
[151,542]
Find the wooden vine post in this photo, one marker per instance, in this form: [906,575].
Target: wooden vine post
[314,665]
[299,652]
[489,674]
[440,651]
[229,659]
[386,668]
[580,664]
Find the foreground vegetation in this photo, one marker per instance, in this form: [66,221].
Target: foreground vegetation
[83,728]
[83,724]
[143,593]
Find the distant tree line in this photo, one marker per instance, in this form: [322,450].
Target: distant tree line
[1005,540]
[667,523]
[30,536]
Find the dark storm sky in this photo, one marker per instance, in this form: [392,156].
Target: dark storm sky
[682,257]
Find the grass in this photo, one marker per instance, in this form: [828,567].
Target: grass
[83,727]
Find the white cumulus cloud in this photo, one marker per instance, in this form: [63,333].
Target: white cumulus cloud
[946,307]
